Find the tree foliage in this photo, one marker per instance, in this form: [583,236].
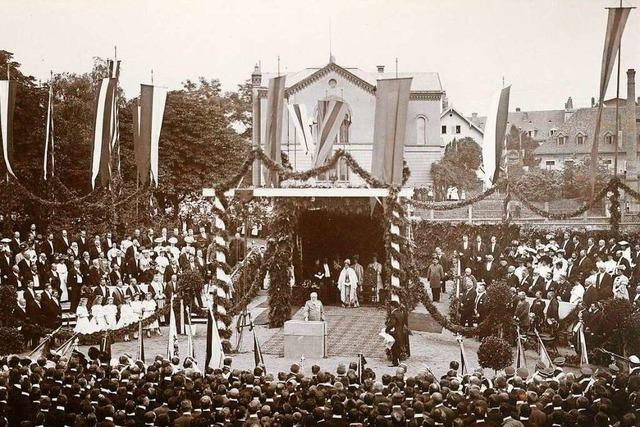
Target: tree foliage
[199,144]
[457,167]
[520,140]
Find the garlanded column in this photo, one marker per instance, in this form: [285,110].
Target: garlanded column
[221,286]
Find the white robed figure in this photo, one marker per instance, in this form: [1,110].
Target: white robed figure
[348,284]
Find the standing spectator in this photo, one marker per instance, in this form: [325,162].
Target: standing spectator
[435,274]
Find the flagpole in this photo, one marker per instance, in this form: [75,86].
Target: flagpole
[615,159]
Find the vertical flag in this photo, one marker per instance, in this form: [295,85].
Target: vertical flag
[273,137]
[521,359]
[172,345]
[215,353]
[140,341]
[616,21]
[147,125]
[582,343]
[298,113]
[102,131]
[190,350]
[48,139]
[7,107]
[361,363]
[115,128]
[464,367]
[544,354]
[330,117]
[390,125]
[494,134]
[257,352]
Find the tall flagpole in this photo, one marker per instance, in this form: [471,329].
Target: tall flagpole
[615,159]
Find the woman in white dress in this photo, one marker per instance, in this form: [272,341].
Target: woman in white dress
[126,315]
[98,321]
[149,308]
[83,325]
[110,313]
[136,308]
[63,274]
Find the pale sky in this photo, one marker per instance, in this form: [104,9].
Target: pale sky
[546,49]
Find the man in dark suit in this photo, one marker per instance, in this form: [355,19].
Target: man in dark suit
[467,304]
[75,280]
[35,311]
[15,243]
[567,245]
[553,308]
[185,419]
[549,285]
[95,274]
[82,241]
[6,262]
[604,283]
[51,309]
[590,292]
[466,253]
[107,243]
[115,276]
[479,252]
[102,290]
[48,247]
[537,283]
[512,279]
[494,249]
[131,259]
[481,308]
[573,271]
[585,263]
[29,296]
[15,279]
[591,250]
[34,276]
[54,278]
[63,243]
[489,271]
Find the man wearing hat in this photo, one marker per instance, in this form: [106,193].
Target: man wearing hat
[435,275]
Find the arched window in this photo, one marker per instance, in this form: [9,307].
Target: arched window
[581,138]
[421,130]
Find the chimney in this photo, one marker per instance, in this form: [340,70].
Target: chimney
[593,102]
[380,68]
[517,109]
[474,115]
[629,130]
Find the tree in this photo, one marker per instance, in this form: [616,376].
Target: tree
[198,146]
[520,140]
[457,167]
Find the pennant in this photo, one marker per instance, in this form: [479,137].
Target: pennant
[361,364]
[331,114]
[215,354]
[172,344]
[67,345]
[273,136]
[257,352]
[463,357]
[582,345]
[544,354]
[105,344]
[190,350]
[48,139]
[390,126]
[494,133]
[147,125]
[181,324]
[102,133]
[115,121]
[298,114]
[616,21]
[7,107]
[140,341]
[521,359]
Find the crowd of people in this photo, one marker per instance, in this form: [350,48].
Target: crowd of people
[551,270]
[89,391]
[108,282]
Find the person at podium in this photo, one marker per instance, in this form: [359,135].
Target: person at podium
[313,309]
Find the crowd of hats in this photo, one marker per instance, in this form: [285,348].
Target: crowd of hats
[89,391]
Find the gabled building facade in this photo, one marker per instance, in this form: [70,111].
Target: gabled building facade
[355,87]
[454,125]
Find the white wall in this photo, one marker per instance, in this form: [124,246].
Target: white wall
[451,120]
[362,108]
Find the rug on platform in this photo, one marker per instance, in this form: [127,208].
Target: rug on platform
[423,322]
[350,331]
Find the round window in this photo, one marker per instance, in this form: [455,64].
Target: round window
[333,83]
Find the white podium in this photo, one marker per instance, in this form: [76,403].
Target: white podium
[305,338]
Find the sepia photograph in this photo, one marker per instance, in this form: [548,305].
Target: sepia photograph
[288,213]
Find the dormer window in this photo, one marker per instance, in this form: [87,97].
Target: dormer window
[562,139]
[580,139]
[608,139]
[553,132]
[532,133]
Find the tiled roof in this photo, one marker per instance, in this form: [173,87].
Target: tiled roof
[542,121]
[583,121]
[422,81]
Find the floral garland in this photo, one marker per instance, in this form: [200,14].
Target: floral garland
[633,193]
[614,208]
[562,216]
[447,206]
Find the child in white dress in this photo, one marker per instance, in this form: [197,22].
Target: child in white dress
[136,308]
[98,321]
[110,313]
[83,325]
[149,308]
[126,315]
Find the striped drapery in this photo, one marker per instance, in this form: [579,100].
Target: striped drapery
[331,114]
[7,107]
